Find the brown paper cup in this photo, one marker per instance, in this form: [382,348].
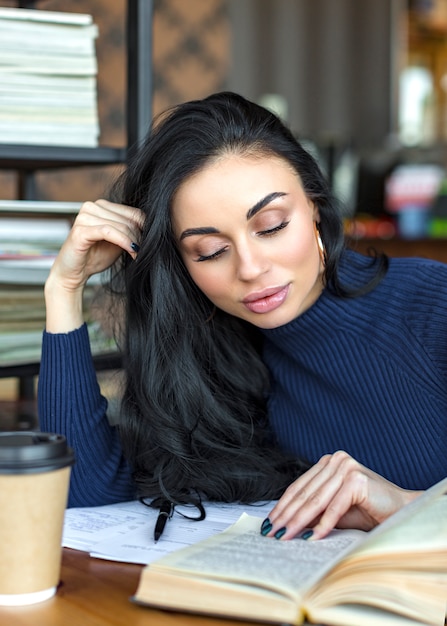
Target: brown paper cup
[33,498]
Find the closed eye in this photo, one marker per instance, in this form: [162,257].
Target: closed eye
[273,231]
[270,232]
[210,257]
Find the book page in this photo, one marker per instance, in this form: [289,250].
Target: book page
[420,526]
[241,553]
[78,19]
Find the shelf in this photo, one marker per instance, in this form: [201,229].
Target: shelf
[427,248]
[27,160]
[13,156]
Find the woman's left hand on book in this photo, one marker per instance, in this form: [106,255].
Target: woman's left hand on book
[337,492]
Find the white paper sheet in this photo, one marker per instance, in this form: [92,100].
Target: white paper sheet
[124,531]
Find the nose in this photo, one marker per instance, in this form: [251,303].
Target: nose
[251,261]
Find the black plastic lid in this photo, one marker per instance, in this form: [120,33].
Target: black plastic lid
[24,452]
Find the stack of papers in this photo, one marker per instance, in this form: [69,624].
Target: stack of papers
[125,531]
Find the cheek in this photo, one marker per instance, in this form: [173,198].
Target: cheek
[207,279]
[299,249]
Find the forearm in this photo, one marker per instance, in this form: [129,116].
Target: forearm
[70,403]
[69,398]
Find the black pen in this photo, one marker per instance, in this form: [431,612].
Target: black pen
[165,512]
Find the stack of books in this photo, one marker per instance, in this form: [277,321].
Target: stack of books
[48,68]
[31,234]
[22,321]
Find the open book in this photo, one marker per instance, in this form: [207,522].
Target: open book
[394,575]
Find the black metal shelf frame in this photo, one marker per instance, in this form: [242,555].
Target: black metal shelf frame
[27,160]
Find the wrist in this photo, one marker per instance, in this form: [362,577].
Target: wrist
[64,306]
[410,495]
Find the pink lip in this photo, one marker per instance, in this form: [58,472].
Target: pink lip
[266,300]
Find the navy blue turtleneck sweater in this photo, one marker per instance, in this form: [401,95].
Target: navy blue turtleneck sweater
[367,375]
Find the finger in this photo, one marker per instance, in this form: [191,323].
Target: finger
[300,491]
[344,495]
[121,211]
[307,500]
[90,229]
[343,501]
[298,488]
[120,215]
[84,238]
[303,513]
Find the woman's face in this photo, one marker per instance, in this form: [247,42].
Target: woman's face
[246,232]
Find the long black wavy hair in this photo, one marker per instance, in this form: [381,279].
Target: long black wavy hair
[194,416]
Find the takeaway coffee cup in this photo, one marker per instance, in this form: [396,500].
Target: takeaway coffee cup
[34,479]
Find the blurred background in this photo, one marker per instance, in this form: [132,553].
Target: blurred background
[368,77]
[363,84]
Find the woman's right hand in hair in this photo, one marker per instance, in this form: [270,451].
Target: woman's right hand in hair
[100,233]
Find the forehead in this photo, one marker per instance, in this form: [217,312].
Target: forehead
[235,178]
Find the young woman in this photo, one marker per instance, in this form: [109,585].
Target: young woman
[255,345]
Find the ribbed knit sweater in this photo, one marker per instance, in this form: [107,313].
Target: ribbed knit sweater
[70,403]
[367,375]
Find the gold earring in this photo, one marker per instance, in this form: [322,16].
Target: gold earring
[319,241]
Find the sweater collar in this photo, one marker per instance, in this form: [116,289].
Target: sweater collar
[327,313]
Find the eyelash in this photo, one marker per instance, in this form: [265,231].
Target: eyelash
[211,256]
[273,231]
[265,233]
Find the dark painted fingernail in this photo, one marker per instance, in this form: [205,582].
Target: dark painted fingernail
[266,523]
[280,533]
[135,247]
[266,527]
[307,535]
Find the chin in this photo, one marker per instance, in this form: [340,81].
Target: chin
[269,322]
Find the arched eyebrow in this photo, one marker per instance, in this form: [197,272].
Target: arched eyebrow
[210,230]
[264,202]
[204,230]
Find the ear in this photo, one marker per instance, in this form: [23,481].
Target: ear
[315,213]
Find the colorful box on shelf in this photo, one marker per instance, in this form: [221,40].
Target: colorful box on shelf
[438,213]
[409,194]
[364,226]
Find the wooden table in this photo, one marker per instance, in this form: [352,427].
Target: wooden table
[94,592]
